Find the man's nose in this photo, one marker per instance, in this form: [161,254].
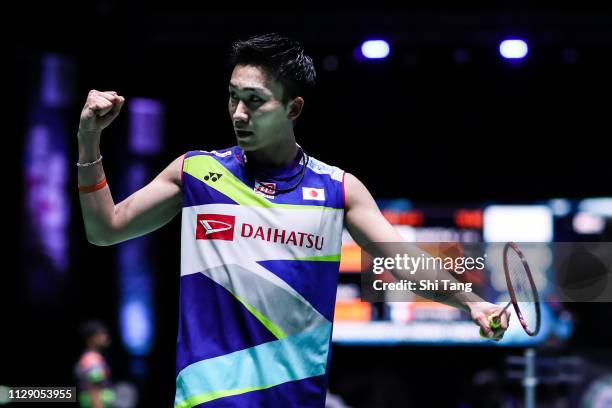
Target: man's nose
[240,114]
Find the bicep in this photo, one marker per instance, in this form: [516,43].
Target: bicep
[151,207]
[363,218]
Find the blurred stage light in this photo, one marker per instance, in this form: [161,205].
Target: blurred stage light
[588,223]
[519,223]
[45,161]
[513,49]
[560,206]
[136,326]
[146,126]
[601,206]
[375,49]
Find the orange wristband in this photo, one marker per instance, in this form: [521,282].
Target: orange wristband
[95,187]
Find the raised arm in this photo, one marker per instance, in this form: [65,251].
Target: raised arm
[146,210]
[370,229]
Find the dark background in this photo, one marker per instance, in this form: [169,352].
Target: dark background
[418,125]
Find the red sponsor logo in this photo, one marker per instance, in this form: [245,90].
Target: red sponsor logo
[219,226]
[265,189]
[215,226]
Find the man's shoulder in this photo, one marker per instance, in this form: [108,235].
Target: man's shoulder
[320,167]
[192,159]
[220,153]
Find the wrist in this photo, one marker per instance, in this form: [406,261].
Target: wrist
[88,154]
[89,132]
[469,301]
[89,164]
[468,306]
[89,149]
[89,137]
[472,300]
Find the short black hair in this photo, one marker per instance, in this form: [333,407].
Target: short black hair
[281,57]
[91,328]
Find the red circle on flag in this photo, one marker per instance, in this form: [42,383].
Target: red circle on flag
[313,193]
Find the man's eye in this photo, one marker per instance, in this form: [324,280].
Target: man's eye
[255,99]
[233,96]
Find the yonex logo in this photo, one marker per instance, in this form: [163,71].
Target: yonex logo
[212,176]
[215,226]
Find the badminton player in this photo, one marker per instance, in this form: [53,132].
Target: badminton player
[262,226]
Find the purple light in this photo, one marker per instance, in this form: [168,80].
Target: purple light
[136,326]
[136,316]
[48,206]
[146,126]
[56,81]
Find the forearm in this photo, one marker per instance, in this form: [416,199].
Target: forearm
[443,279]
[98,206]
[377,236]
[457,298]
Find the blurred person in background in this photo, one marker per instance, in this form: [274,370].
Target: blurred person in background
[92,372]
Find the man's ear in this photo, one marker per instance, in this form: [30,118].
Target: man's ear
[295,107]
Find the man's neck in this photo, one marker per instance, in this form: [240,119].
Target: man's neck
[277,155]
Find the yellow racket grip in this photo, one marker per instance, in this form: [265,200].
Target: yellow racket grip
[494,323]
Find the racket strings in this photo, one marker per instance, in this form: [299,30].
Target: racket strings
[523,290]
[520,280]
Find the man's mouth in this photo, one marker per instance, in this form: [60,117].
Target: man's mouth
[243,133]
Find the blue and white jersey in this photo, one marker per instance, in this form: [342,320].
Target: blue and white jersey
[259,274]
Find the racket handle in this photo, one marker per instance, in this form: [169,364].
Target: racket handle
[494,323]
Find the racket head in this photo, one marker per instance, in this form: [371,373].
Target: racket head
[522,288]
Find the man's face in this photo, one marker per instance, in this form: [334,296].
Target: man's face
[101,339]
[259,117]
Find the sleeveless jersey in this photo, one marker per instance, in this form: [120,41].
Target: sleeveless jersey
[258,282]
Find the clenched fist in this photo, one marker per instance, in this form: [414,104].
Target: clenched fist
[100,109]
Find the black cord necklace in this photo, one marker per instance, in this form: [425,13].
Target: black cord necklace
[263,176]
